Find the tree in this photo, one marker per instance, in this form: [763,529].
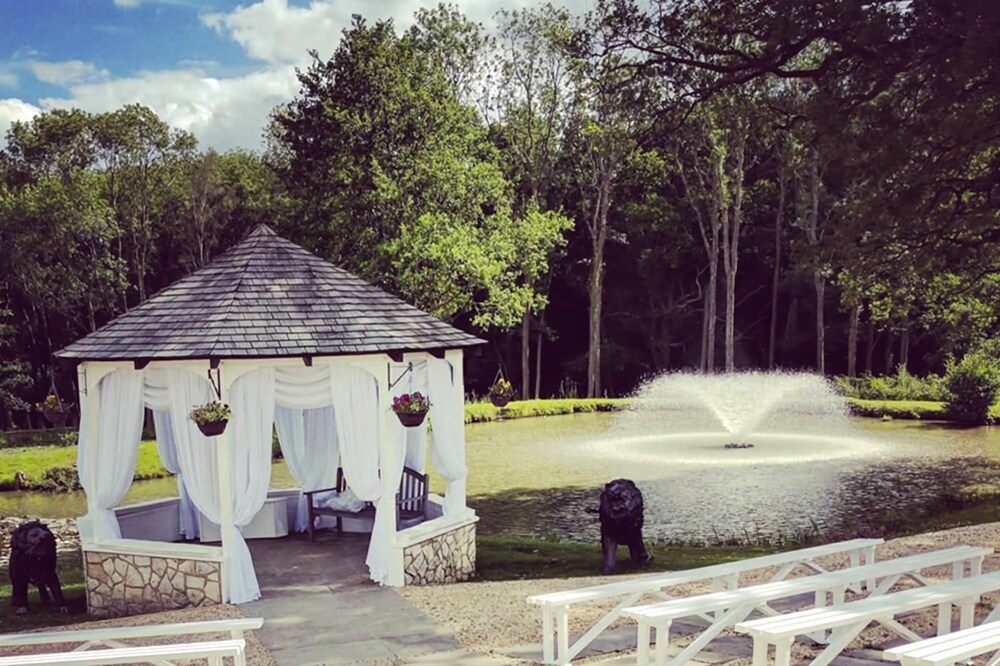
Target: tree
[394,179]
[529,109]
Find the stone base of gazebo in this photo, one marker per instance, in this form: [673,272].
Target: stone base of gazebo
[439,551]
[128,576]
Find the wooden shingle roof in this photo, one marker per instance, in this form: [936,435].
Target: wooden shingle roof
[267,297]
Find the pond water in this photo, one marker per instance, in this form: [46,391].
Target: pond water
[536,477]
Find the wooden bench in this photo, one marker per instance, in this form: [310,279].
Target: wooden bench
[556,605]
[951,648]
[733,606]
[214,651]
[848,620]
[411,503]
[112,637]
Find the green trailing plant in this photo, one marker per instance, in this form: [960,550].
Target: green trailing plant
[211,412]
[973,386]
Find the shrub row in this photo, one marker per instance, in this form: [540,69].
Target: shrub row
[16,439]
[901,386]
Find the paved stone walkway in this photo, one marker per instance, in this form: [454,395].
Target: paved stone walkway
[319,607]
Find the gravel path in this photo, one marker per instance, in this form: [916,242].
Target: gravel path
[488,617]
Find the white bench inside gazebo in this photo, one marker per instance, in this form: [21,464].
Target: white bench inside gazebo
[294,346]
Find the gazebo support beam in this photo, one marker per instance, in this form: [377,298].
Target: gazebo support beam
[222,448]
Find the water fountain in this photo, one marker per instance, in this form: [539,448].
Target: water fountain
[750,416]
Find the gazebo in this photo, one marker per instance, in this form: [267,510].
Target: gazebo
[293,344]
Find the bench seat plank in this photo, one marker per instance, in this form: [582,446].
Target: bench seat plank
[214,650]
[949,648]
[143,631]
[759,594]
[734,606]
[669,579]
[555,606]
[849,619]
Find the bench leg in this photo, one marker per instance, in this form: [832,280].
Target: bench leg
[966,613]
[944,619]
[643,639]
[783,652]
[760,651]
[869,559]
[662,643]
[215,660]
[562,634]
[548,640]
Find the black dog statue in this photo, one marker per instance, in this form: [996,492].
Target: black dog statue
[621,515]
[33,562]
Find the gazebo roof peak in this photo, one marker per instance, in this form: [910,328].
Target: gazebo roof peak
[267,297]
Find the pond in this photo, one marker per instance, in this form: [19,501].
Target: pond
[535,477]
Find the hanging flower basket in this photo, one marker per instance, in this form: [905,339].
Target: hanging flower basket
[54,410]
[501,393]
[411,408]
[211,418]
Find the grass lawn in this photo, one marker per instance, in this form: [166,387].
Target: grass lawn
[71,579]
[33,461]
[513,558]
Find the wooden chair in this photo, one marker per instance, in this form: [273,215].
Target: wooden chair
[411,503]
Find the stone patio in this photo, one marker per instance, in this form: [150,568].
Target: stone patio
[319,606]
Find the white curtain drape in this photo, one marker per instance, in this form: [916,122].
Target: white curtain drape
[308,440]
[167,448]
[251,399]
[448,432]
[107,466]
[157,398]
[358,417]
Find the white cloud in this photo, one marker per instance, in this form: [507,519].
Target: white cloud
[12,110]
[231,112]
[65,73]
[222,113]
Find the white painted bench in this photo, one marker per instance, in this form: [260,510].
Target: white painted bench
[112,637]
[214,652]
[848,620]
[733,606]
[556,605]
[951,648]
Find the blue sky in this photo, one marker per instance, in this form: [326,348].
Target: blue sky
[213,67]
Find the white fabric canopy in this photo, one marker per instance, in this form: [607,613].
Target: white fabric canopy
[107,466]
[448,432]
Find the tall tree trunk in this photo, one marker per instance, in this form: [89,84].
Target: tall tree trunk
[538,358]
[599,234]
[731,244]
[869,344]
[525,349]
[820,282]
[852,342]
[904,348]
[889,358]
[711,300]
[775,278]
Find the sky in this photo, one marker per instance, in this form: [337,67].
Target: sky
[213,67]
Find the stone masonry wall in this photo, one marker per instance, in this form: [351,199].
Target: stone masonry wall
[446,558]
[119,584]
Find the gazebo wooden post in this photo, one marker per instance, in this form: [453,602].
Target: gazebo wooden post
[454,357]
[222,457]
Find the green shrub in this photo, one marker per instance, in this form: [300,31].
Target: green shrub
[16,439]
[60,479]
[901,386]
[973,385]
